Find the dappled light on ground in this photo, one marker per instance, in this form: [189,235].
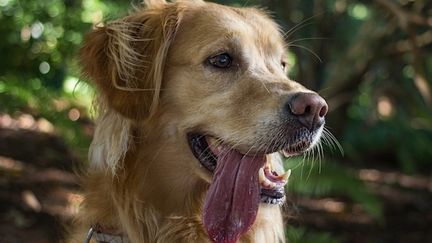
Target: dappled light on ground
[39,192]
[403,180]
[406,216]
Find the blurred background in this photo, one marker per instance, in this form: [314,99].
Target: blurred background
[371,60]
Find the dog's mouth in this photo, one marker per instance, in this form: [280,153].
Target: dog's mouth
[240,182]
[208,149]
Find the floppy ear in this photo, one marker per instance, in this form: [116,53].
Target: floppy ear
[126,58]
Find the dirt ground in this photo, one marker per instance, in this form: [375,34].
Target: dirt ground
[39,194]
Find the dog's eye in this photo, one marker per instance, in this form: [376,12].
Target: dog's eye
[283,64]
[220,61]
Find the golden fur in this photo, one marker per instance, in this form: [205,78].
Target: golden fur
[153,88]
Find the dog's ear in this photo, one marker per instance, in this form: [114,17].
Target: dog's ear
[126,58]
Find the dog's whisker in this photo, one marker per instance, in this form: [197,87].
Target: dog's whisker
[303,39]
[320,155]
[331,141]
[299,26]
[310,168]
[326,140]
[310,51]
[265,87]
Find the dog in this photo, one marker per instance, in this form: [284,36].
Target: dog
[196,114]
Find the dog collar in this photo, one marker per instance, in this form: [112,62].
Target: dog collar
[105,235]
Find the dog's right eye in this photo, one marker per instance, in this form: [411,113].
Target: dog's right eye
[220,61]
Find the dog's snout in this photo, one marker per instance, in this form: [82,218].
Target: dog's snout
[308,108]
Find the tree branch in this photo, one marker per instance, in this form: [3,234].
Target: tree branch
[406,21]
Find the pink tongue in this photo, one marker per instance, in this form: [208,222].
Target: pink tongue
[232,201]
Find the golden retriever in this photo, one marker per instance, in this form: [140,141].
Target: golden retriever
[195,115]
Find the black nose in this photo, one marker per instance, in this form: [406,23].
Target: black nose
[309,109]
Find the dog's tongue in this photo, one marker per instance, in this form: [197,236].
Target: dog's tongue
[232,201]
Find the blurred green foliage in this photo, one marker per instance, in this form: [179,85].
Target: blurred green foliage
[373,64]
[333,180]
[39,68]
[301,235]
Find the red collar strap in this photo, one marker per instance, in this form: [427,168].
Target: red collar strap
[105,235]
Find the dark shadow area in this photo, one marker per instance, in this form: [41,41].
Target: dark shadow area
[38,188]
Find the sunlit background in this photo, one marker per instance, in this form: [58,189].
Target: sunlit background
[371,60]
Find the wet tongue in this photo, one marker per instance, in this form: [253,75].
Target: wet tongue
[232,201]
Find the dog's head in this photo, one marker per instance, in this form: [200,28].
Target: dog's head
[213,80]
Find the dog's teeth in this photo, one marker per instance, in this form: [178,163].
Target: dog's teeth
[269,184]
[261,175]
[268,163]
[264,181]
[286,176]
